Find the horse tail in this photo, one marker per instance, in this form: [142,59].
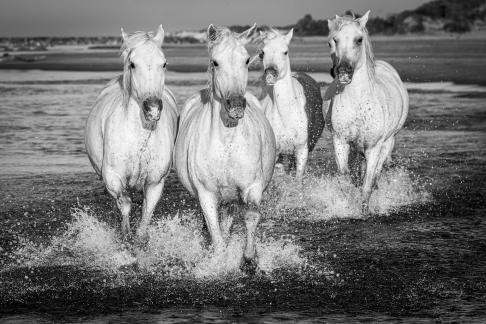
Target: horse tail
[313,108]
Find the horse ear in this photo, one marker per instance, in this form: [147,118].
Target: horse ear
[289,35]
[159,36]
[363,19]
[330,24]
[124,35]
[247,34]
[212,33]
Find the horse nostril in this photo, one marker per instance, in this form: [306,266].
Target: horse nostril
[145,105]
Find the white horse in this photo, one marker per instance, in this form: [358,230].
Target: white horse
[225,148]
[369,101]
[131,130]
[292,102]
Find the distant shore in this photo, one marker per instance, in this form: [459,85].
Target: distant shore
[432,58]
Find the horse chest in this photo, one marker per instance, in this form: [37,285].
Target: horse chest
[229,165]
[145,159]
[357,120]
[289,125]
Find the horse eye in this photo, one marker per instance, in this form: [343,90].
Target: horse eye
[165,64]
[248,61]
[359,40]
[335,40]
[132,65]
[214,63]
[286,52]
[261,55]
[329,44]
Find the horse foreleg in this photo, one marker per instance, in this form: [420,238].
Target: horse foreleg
[209,206]
[301,155]
[372,155]
[117,190]
[152,193]
[252,219]
[341,150]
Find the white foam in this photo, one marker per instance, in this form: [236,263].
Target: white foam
[176,248]
[334,196]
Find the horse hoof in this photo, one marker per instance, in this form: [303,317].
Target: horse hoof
[365,209]
[249,266]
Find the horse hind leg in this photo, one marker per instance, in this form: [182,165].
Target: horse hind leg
[152,193]
[385,156]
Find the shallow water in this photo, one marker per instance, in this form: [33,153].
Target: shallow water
[419,256]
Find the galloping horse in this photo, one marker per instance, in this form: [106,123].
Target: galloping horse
[130,132]
[225,148]
[292,102]
[369,101]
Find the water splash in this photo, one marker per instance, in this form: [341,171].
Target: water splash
[176,247]
[335,196]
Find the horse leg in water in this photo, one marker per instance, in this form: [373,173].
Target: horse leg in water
[373,157]
[209,205]
[117,190]
[341,150]
[252,218]
[385,155]
[152,193]
[301,155]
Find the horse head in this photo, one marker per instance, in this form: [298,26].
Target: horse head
[144,72]
[228,69]
[275,55]
[350,46]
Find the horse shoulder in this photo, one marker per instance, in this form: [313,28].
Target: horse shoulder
[254,102]
[260,119]
[170,98]
[266,98]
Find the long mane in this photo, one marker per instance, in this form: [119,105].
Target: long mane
[133,41]
[221,34]
[339,23]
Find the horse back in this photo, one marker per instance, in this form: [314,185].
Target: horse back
[313,107]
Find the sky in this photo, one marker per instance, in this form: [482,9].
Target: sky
[105,17]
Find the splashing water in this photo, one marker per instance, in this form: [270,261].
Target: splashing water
[326,197]
[176,247]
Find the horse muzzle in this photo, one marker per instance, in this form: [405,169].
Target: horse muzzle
[152,107]
[270,75]
[344,73]
[234,108]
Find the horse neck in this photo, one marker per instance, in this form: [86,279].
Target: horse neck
[363,79]
[217,127]
[283,90]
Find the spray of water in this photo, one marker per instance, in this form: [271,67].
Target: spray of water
[177,247]
[335,196]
